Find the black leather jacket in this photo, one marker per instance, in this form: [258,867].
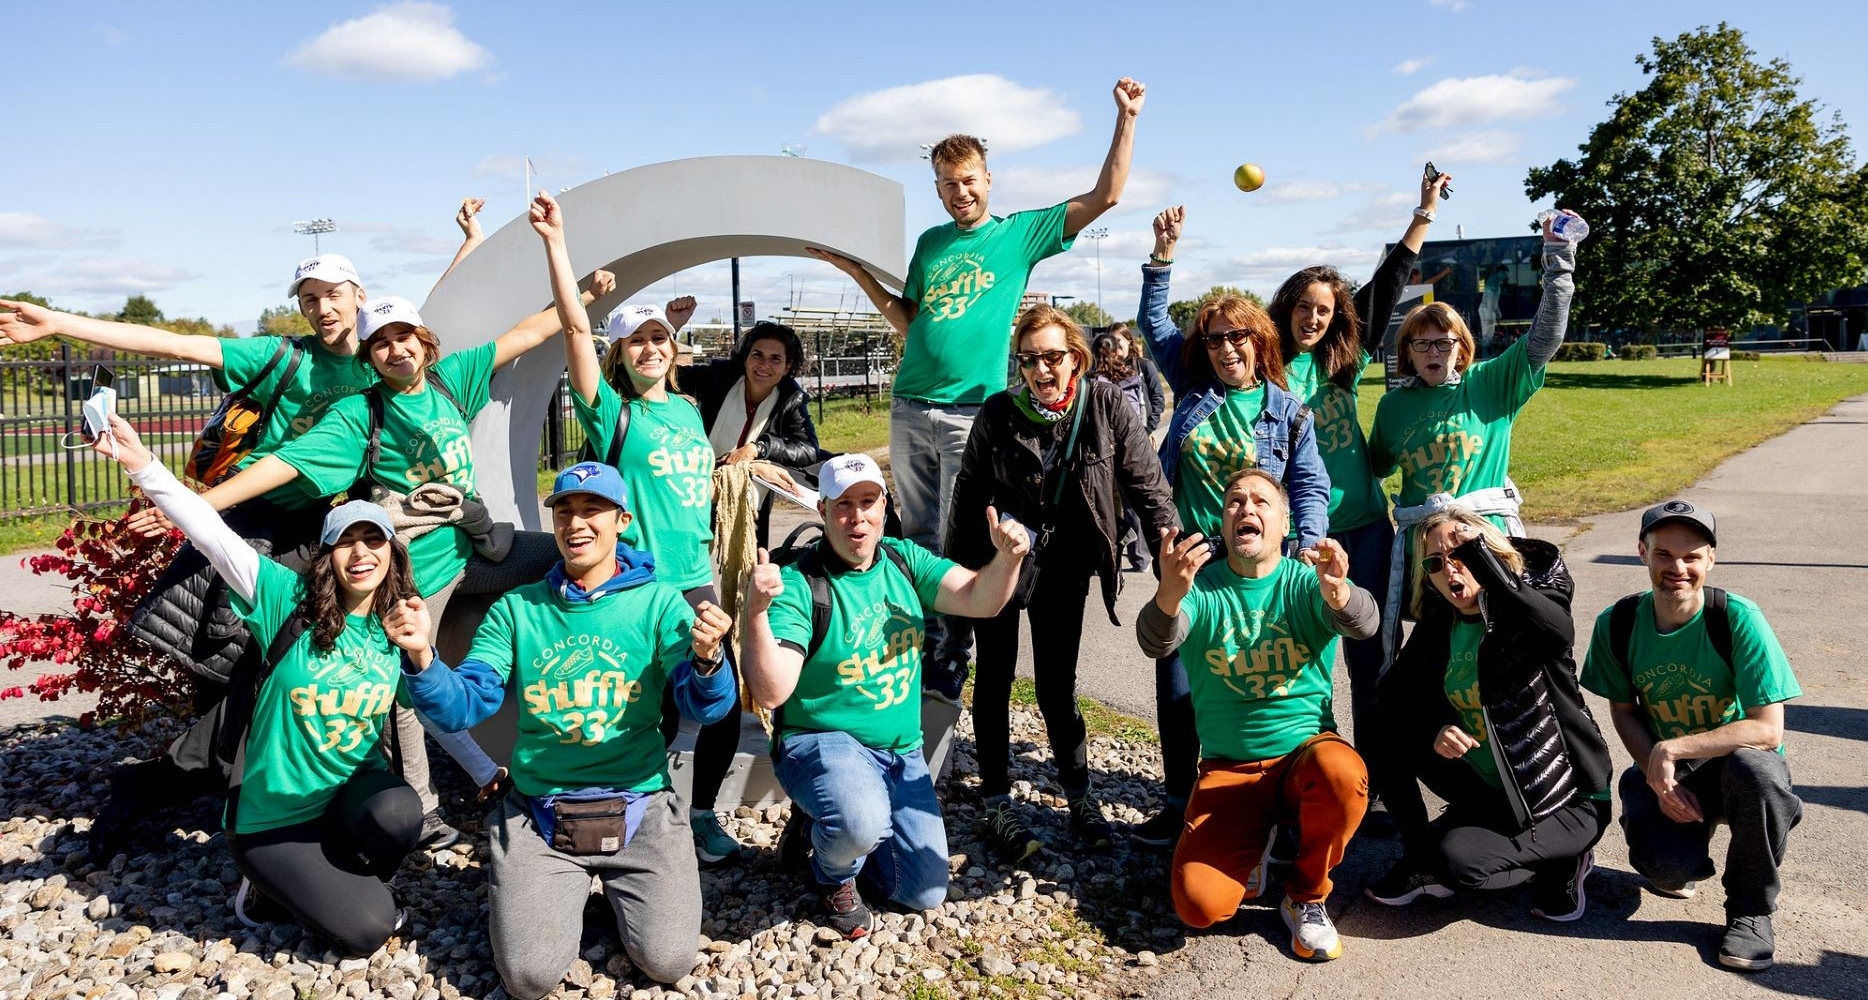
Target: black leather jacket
[1114,464]
[789,438]
[1550,751]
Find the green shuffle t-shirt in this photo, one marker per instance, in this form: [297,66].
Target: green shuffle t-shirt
[1462,692]
[424,440]
[1355,495]
[1223,444]
[589,679]
[1453,438]
[865,679]
[966,286]
[1687,686]
[319,715]
[667,463]
[321,380]
[1259,654]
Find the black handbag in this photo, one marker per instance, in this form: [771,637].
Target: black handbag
[1047,513]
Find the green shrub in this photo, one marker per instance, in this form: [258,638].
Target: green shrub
[1640,352]
[1577,350]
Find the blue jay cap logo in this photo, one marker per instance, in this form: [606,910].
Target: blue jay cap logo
[593,478]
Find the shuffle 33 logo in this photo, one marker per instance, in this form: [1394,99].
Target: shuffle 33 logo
[582,689]
[1257,657]
[886,667]
[352,687]
[1680,701]
[955,284]
[1442,449]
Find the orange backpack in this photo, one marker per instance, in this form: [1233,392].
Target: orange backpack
[236,426]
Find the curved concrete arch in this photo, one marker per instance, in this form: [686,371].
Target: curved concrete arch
[643,225]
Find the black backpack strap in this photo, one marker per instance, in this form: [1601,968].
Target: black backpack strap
[614,459]
[1621,637]
[434,379]
[291,369]
[243,698]
[1297,430]
[278,355]
[1719,624]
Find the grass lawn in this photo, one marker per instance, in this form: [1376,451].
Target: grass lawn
[1612,435]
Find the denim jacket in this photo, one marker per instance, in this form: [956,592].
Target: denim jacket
[1302,472]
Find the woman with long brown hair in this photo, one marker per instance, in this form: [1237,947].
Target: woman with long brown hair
[317,821]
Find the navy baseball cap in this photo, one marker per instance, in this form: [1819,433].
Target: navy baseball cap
[594,478]
[1683,512]
[342,517]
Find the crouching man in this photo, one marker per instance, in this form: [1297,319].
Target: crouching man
[588,651]
[1259,634]
[833,642]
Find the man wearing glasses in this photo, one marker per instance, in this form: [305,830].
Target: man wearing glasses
[965,282]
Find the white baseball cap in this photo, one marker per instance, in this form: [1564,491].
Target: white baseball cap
[384,311]
[334,268]
[628,319]
[838,474]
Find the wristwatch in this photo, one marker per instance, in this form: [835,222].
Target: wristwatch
[1423,214]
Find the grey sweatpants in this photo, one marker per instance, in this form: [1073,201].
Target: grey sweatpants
[536,895]
[1748,790]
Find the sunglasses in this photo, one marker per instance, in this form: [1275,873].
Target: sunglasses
[1435,564]
[1432,346]
[1236,338]
[1029,359]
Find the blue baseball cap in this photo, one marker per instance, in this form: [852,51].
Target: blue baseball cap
[594,478]
[342,517]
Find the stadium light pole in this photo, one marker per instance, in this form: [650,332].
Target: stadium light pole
[314,229]
[1097,236]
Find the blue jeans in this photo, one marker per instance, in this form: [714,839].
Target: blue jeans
[875,812]
[1370,548]
[926,441]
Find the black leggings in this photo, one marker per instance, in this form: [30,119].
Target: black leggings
[1056,613]
[332,872]
[1477,842]
[717,742]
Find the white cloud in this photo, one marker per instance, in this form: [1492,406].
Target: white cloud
[1407,67]
[24,229]
[889,126]
[1477,100]
[1278,194]
[1386,212]
[1274,264]
[1454,6]
[1015,188]
[409,41]
[1491,146]
[99,278]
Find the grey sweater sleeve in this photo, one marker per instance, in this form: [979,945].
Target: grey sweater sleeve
[1553,312]
[1160,635]
[1360,618]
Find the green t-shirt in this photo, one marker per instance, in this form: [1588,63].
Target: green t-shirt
[424,440]
[667,463]
[1259,654]
[1687,686]
[1462,692]
[319,715]
[589,678]
[322,379]
[865,679]
[1453,438]
[966,286]
[1223,444]
[1355,495]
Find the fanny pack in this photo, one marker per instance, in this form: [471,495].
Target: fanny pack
[589,821]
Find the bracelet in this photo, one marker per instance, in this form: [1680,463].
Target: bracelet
[1424,214]
[1160,260]
[705,666]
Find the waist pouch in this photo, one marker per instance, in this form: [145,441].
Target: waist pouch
[591,821]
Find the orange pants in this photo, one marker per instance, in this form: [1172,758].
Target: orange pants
[1322,787]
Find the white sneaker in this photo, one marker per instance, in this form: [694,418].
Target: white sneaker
[1313,936]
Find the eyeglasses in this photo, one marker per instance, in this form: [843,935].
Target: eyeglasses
[1432,346]
[1236,338]
[1029,359]
[1435,564]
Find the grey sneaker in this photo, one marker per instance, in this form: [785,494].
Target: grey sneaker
[436,833]
[1313,936]
[1749,944]
[845,910]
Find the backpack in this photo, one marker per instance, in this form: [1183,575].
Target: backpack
[614,457]
[373,450]
[1622,626]
[235,428]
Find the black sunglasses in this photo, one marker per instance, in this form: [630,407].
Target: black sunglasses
[1030,359]
[1433,564]
[1234,337]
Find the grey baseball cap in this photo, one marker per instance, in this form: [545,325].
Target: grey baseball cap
[1683,512]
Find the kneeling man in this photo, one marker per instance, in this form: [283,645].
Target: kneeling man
[1264,629]
[832,642]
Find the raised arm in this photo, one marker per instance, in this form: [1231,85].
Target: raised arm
[567,312]
[982,593]
[898,311]
[1085,208]
[24,323]
[468,219]
[1375,301]
[236,561]
[1164,338]
[1553,310]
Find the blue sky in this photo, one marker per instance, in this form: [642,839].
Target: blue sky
[166,149]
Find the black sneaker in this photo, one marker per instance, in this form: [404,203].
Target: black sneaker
[1088,824]
[436,833]
[136,789]
[1404,884]
[1162,829]
[1005,833]
[1749,944]
[943,678]
[794,842]
[1561,898]
[256,909]
[844,910]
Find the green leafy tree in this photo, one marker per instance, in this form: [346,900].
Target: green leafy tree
[1089,315]
[283,321]
[140,309]
[1185,311]
[1716,195]
[199,326]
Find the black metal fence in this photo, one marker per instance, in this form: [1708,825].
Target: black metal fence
[45,466]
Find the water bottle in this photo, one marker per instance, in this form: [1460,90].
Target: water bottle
[1565,227]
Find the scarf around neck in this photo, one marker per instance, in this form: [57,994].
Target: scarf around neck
[1041,413]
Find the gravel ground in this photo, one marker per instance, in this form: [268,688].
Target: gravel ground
[156,923]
